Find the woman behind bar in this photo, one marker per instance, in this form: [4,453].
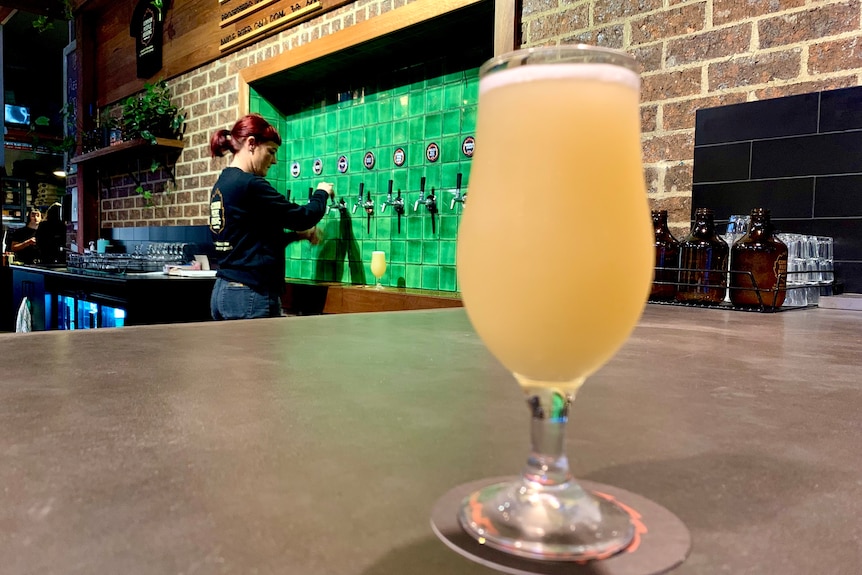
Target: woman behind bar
[23,240]
[51,236]
[248,218]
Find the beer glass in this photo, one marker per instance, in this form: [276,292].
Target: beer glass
[378,266]
[557,181]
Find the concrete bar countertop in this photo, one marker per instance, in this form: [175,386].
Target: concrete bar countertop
[318,445]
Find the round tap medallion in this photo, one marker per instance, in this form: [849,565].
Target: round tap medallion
[468,145]
[368,160]
[432,152]
[342,164]
[317,167]
[295,169]
[399,157]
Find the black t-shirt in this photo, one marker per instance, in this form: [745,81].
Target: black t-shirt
[247,219]
[29,254]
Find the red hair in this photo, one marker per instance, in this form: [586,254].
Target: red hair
[249,125]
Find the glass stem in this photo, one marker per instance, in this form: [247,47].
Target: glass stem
[547,463]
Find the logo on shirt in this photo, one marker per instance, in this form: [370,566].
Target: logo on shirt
[216,212]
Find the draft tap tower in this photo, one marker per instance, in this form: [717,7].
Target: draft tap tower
[397,204]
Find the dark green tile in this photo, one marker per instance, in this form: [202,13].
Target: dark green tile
[450,149]
[453,77]
[399,177]
[449,225]
[433,125]
[371,140]
[430,252]
[416,105]
[398,251]
[319,124]
[357,116]
[434,100]
[384,220]
[448,278]
[397,275]
[400,107]
[414,251]
[384,111]
[416,129]
[416,154]
[468,121]
[384,135]
[307,269]
[453,96]
[331,122]
[342,141]
[400,133]
[448,249]
[413,277]
[343,116]
[384,246]
[452,122]
[431,229]
[370,110]
[357,139]
[430,277]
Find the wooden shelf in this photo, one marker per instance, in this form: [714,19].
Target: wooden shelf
[130,149]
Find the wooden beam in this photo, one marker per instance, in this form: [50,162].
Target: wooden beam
[507,24]
[392,21]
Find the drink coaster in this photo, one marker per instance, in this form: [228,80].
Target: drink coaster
[661,540]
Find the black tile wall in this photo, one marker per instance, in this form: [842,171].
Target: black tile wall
[790,116]
[785,198]
[799,156]
[839,196]
[841,110]
[729,161]
[821,154]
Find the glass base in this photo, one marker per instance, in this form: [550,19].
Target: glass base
[562,522]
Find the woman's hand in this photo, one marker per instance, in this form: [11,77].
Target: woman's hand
[326,187]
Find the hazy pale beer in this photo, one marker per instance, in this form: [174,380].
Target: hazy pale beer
[555,251]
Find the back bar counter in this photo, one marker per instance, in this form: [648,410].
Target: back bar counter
[319,445]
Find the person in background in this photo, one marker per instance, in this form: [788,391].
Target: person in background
[249,219]
[51,236]
[22,241]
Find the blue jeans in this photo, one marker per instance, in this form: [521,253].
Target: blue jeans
[233,300]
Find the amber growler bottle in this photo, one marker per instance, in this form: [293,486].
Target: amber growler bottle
[759,274]
[703,262]
[666,256]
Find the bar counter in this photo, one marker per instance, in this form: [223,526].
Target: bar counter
[318,445]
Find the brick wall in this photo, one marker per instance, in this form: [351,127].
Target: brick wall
[209,96]
[707,53]
[694,54]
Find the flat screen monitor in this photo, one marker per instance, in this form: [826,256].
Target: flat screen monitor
[19,115]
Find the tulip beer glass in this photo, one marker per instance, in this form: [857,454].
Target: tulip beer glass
[557,180]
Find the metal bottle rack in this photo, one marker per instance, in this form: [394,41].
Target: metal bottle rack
[796,284]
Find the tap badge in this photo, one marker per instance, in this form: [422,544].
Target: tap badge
[368,160]
[342,164]
[295,169]
[468,145]
[399,157]
[432,152]
[317,167]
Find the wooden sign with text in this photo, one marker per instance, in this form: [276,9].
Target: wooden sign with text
[244,20]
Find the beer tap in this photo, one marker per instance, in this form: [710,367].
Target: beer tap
[458,196]
[367,205]
[340,205]
[359,203]
[430,202]
[397,204]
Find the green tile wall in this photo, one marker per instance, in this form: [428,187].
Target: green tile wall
[439,109]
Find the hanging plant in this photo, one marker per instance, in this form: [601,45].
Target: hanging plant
[151,114]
